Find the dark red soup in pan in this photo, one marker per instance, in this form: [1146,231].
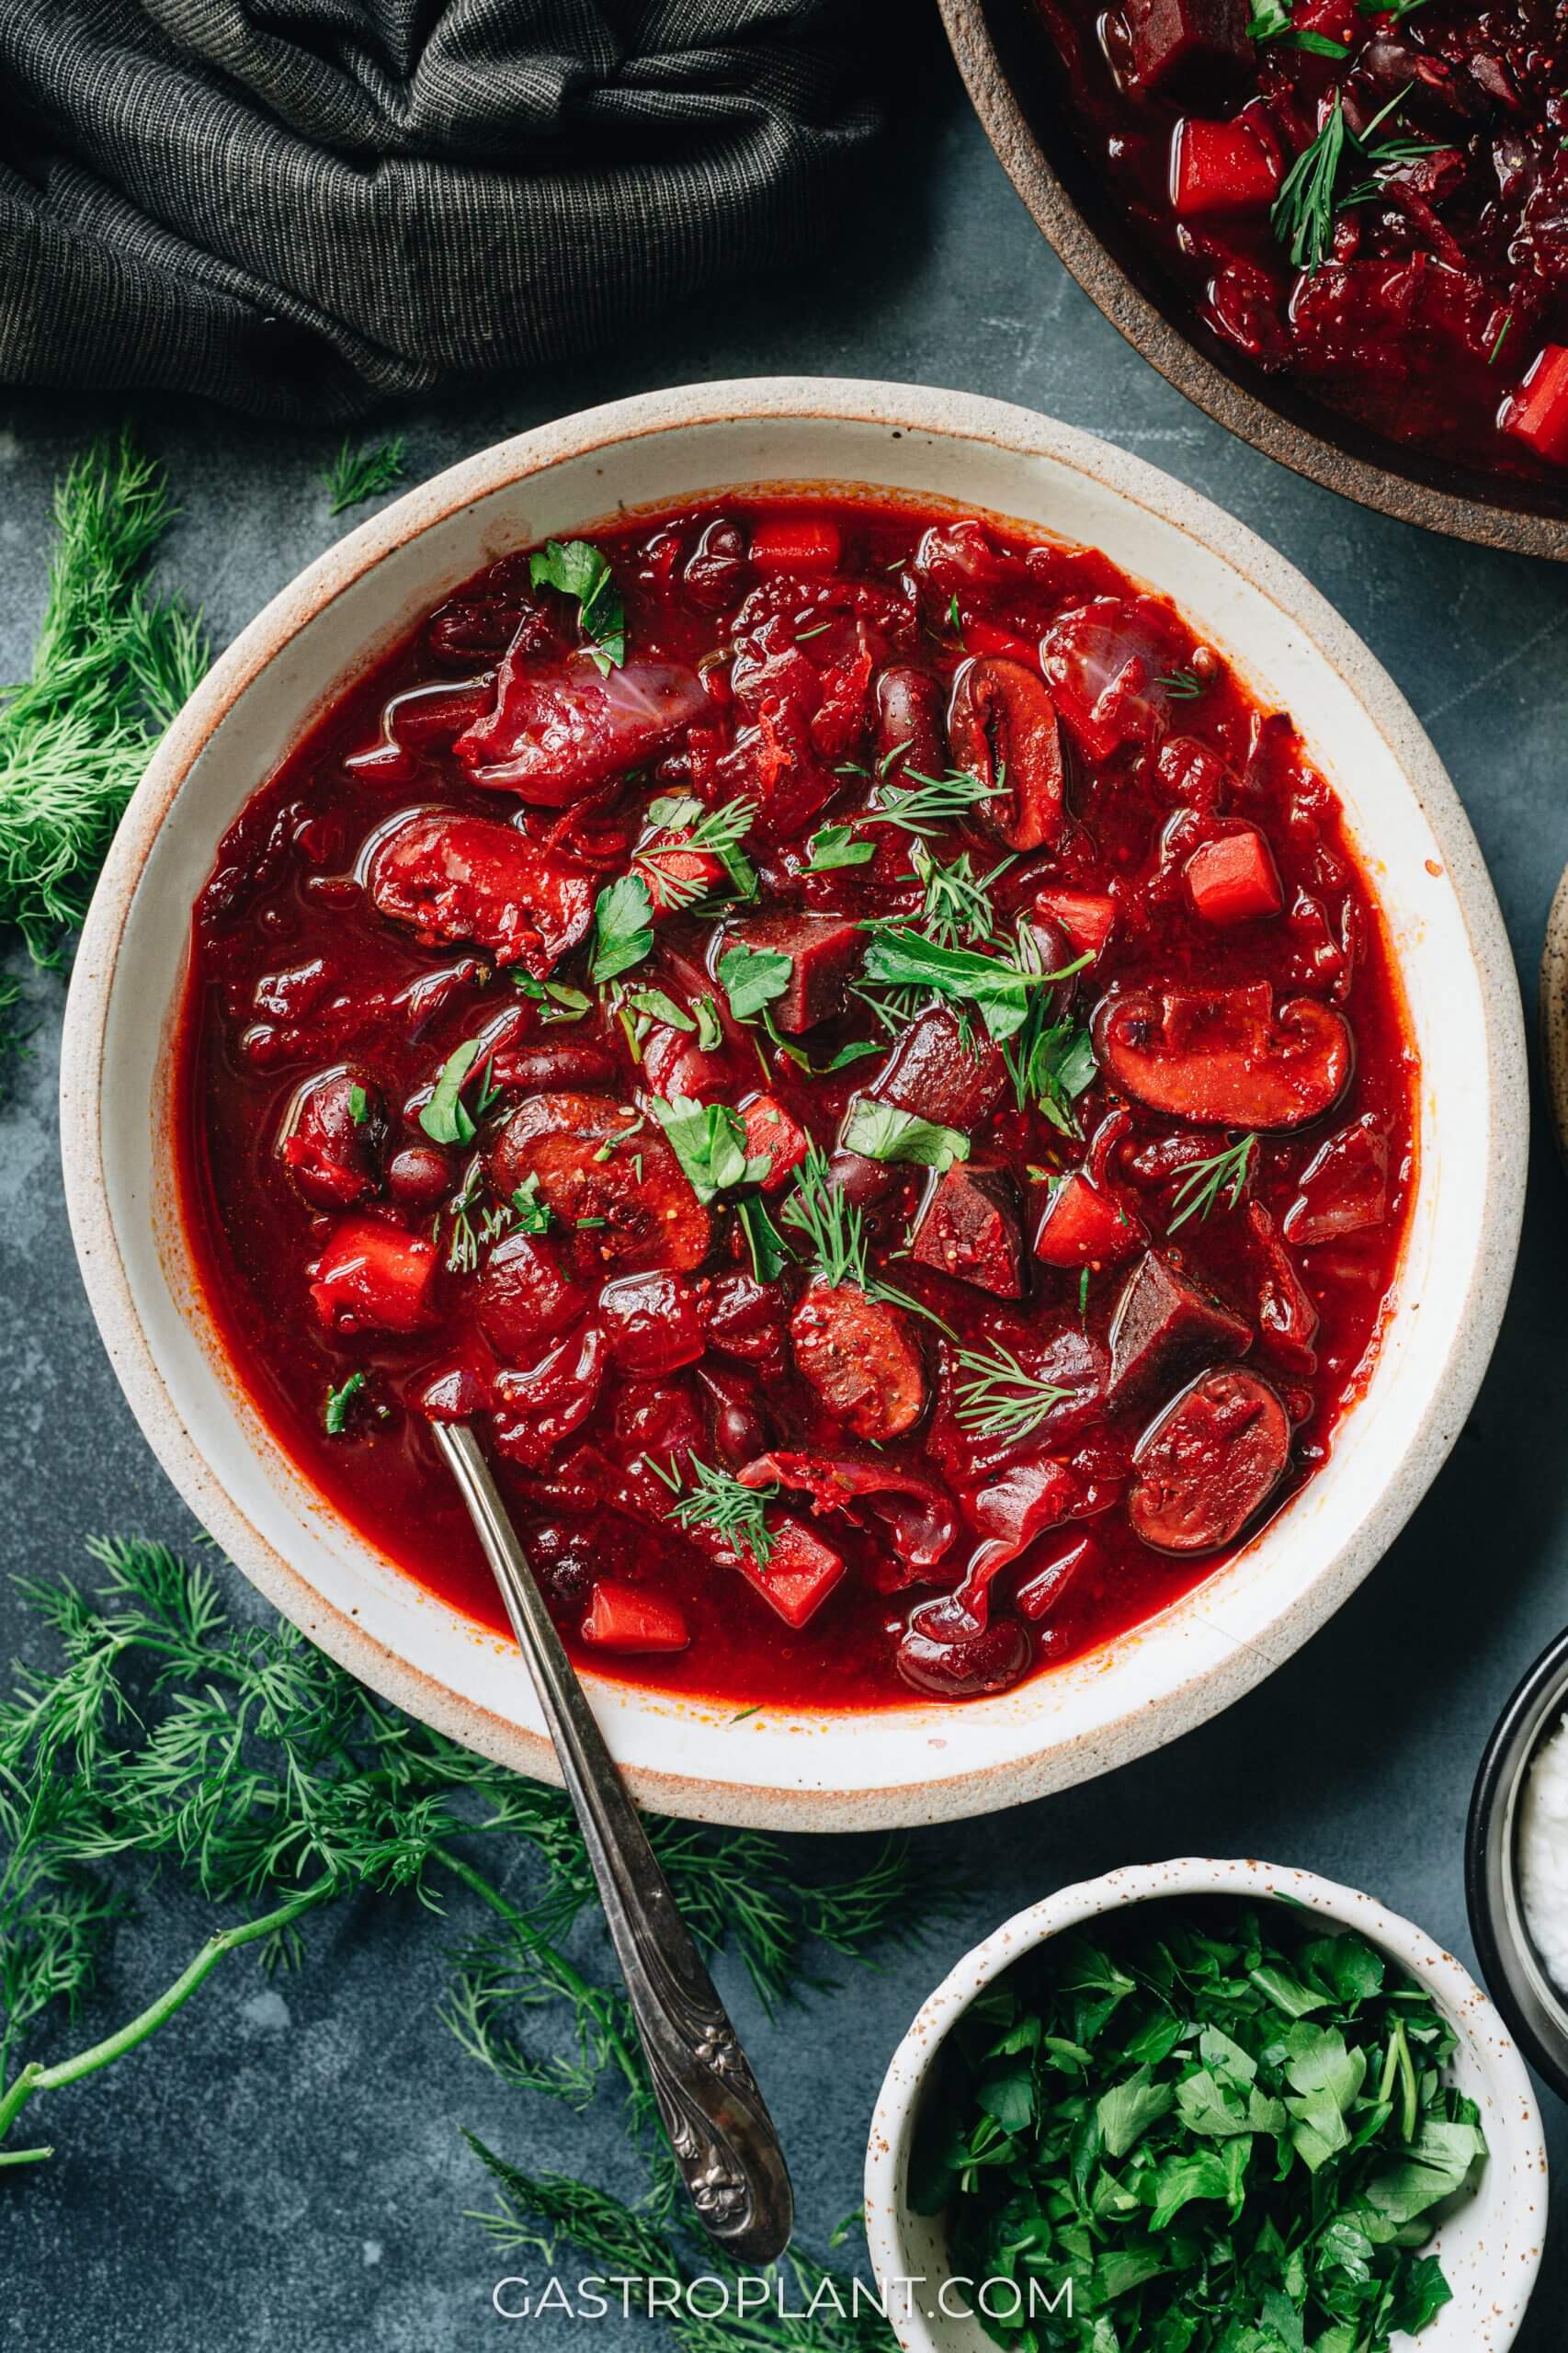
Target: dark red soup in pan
[859,1055]
[1371,200]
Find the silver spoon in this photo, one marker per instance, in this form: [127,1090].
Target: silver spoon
[718,2128]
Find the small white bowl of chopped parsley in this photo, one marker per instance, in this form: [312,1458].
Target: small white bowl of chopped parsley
[1202,2107]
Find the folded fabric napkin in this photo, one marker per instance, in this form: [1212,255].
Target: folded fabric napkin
[298,206]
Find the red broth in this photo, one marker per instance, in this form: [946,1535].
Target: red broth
[1369,201]
[1123,1333]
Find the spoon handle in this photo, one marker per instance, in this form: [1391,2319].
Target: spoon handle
[718,2128]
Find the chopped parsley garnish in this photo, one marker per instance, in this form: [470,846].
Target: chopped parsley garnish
[533,1215]
[1222,2126]
[999,986]
[555,1000]
[710,1028]
[837,846]
[771,1254]
[335,1414]
[579,571]
[660,1008]
[1051,1065]
[878,1131]
[1224,1172]
[716,1499]
[996,1398]
[709,1141]
[358,1104]
[446,1118]
[623,927]
[753,978]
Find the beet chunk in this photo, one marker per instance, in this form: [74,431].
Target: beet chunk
[1163,1322]
[471,878]
[969,1228]
[1211,1459]
[525,1297]
[931,1073]
[860,1356]
[1184,41]
[822,951]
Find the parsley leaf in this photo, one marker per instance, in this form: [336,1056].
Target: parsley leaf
[752,978]
[771,1254]
[709,1141]
[836,846]
[580,570]
[335,1414]
[533,1215]
[660,1008]
[998,985]
[878,1131]
[445,1118]
[623,927]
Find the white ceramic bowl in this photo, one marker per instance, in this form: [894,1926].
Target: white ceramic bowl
[1490,2245]
[923,1762]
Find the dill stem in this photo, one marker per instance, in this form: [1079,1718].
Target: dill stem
[35,2078]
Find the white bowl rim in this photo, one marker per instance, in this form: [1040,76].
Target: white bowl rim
[1513,2128]
[946,1793]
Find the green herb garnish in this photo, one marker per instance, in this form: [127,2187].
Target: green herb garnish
[533,1215]
[445,1118]
[998,985]
[878,1131]
[660,1008]
[715,832]
[716,1499]
[929,803]
[1224,2129]
[1198,1194]
[996,1398]
[1303,214]
[709,1141]
[753,978]
[1182,685]
[555,1000]
[358,1104]
[836,846]
[355,475]
[836,1232]
[956,911]
[335,1414]
[771,1254]
[623,927]
[579,571]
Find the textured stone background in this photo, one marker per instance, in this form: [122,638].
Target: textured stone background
[284,2168]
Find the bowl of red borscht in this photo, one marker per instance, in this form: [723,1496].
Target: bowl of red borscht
[892,1008]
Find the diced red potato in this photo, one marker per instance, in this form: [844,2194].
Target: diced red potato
[452,877]
[919,1513]
[1209,1463]
[1287,1313]
[1045,1585]
[1537,413]
[746,1320]
[538,1409]
[595,1159]
[1161,1325]
[1233,879]
[1345,1187]
[631,1619]
[931,1073]
[525,1297]
[1003,729]
[823,951]
[559,730]
[1225,1058]
[800,1573]
[1081,1226]
[1175,41]
[770,1130]
[909,725]
[652,1323]
[1088,918]
[860,1355]
[805,543]
[968,1227]
[373,1276]
[332,1156]
[944,1655]
[1220,167]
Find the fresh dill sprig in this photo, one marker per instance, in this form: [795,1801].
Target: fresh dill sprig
[1309,197]
[996,1398]
[836,1231]
[357,475]
[111,666]
[1224,1172]
[956,911]
[929,803]
[718,832]
[1182,685]
[716,1499]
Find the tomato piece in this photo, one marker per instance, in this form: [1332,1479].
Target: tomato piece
[800,1573]
[450,877]
[1045,1587]
[934,1073]
[1345,1187]
[557,732]
[333,1135]
[1002,726]
[611,1183]
[1537,413]
[1088,918]
[860,1356]
[1161,1324]
[1225,1058]
[822,951]
[374,1277]
[652,1323]
[629,1618]
[1081,1226]
[970,1227]
[1220,167]
[1209,1463]
[770,1130]
[524,1297]
[1234,878]
[806,543]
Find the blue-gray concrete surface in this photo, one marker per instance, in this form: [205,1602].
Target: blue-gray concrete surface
[284,2167]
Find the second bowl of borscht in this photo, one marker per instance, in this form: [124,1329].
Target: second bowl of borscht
[892,1009]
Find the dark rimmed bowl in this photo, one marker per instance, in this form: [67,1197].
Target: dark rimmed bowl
[1005,54]
[1535,2010]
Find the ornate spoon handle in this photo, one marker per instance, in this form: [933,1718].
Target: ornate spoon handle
[718,2128]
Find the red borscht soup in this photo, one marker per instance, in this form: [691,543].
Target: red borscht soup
[857,1055]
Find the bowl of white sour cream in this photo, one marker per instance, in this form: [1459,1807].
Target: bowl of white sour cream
[1517,1865]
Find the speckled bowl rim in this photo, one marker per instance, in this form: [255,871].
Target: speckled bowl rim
[949,1790]
[1323,455]
[1513,2122]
